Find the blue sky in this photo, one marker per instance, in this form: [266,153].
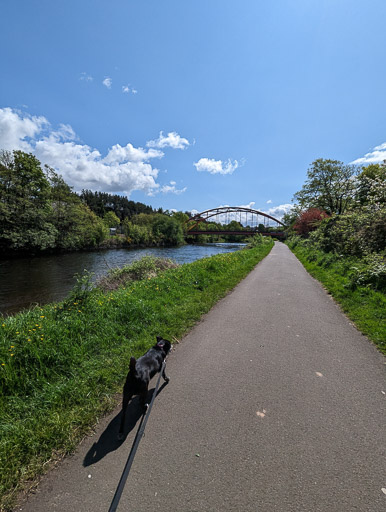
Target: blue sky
[193,105]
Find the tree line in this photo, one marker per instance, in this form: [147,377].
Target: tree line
[40,212]
[341,210]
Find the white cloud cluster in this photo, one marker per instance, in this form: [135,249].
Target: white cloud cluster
[172,140]
[107,82]
[123,169]
[216,166]
[376,156]
[279,211]
[85,77]
[126,89]
[16,131]
[171,188]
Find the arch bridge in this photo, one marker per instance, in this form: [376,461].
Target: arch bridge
[248,222]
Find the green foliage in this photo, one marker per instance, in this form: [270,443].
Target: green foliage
[60,365]
[258,240]
[357,284]
[147,267]
[158,229]
[39,211]
[330,186]
[111,220]
[102,202]
[25,210]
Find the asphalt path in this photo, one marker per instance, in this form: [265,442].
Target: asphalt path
[276,403]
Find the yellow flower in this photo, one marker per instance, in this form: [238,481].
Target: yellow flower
[11,355]
[42,316]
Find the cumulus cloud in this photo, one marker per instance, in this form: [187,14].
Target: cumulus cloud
[172,140]
[376,156]
[16,131]
[107,82]
[216,166]
[279,211]
[171,189]
[123,169]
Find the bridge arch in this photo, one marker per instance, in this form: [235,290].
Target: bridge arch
[196,219]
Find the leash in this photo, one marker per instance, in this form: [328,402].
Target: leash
[138,437]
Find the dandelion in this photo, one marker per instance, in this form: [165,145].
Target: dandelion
[42,316]
[11,355]
[2,364]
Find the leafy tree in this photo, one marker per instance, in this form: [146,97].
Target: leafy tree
[371,189]
[111,220]
[167,231]
[25,204]
[330,186]
[309,220]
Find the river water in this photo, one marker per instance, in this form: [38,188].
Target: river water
[28,281]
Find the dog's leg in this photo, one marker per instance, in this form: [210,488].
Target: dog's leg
[125,402]
[143,398]
[166,379]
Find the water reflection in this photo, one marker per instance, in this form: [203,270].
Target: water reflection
[28,281]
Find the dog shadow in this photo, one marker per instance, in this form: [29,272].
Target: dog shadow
[108,440]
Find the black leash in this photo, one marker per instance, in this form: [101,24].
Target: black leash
[138,437]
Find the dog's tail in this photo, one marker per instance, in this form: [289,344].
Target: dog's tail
[132,364]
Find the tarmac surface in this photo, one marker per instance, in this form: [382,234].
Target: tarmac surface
[276,403]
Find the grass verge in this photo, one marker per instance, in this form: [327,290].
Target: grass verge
[61,364]
[365,306]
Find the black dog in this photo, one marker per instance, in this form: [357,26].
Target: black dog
[140,374]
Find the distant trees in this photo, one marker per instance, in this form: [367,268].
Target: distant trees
[102,202]
[39,211]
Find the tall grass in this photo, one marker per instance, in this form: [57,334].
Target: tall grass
[364,305]
[61,364]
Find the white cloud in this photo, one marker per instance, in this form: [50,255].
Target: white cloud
[126,89]
[123,169]
[216,166]
[279,211]
[171,189]
[16,131]
[107,82]
[172,140]
[269,201]
[376,156]
[85,77]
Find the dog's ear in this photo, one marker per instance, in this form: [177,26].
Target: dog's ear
[159,338]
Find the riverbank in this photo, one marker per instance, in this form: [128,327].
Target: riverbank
[363,305]
[61,364]
[35,281]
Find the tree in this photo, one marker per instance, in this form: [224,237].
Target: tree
[330,186]
[309,221]
[25,204]
[371,189]
[111,220]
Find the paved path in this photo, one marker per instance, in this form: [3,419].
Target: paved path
[276,403]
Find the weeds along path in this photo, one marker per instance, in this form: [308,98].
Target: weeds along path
[276,403]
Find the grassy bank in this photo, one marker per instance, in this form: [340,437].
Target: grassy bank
[365,306]
[61,364]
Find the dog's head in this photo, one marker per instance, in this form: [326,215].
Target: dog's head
[163,345]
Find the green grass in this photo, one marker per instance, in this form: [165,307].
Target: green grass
[61,364]
[365,306]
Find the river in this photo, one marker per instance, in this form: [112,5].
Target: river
[39,280]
